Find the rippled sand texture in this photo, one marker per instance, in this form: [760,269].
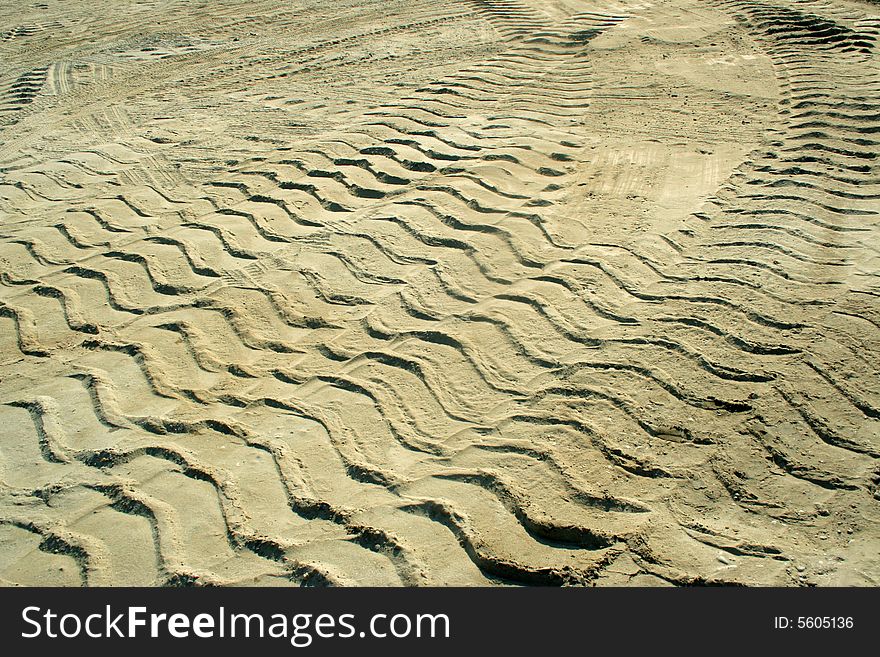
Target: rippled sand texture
[420,292]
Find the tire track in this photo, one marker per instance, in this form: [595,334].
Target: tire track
[416,328]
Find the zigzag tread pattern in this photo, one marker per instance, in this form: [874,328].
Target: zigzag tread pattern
[596,304]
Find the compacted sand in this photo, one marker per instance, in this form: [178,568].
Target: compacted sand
[439,292]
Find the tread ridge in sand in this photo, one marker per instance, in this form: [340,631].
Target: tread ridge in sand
[411,334]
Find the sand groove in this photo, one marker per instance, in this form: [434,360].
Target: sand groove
[592,302]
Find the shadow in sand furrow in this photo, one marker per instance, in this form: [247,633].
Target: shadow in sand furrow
[788,215]
[820,174]
[827,189]
[482,554]
[58,543]
[21,92]
[780,232]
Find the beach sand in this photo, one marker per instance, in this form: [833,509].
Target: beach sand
[439,292]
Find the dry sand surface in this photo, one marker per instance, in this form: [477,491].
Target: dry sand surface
[439,292]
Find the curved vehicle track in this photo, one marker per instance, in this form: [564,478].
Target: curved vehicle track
[440,293]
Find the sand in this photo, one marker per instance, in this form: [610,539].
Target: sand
[439,292]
